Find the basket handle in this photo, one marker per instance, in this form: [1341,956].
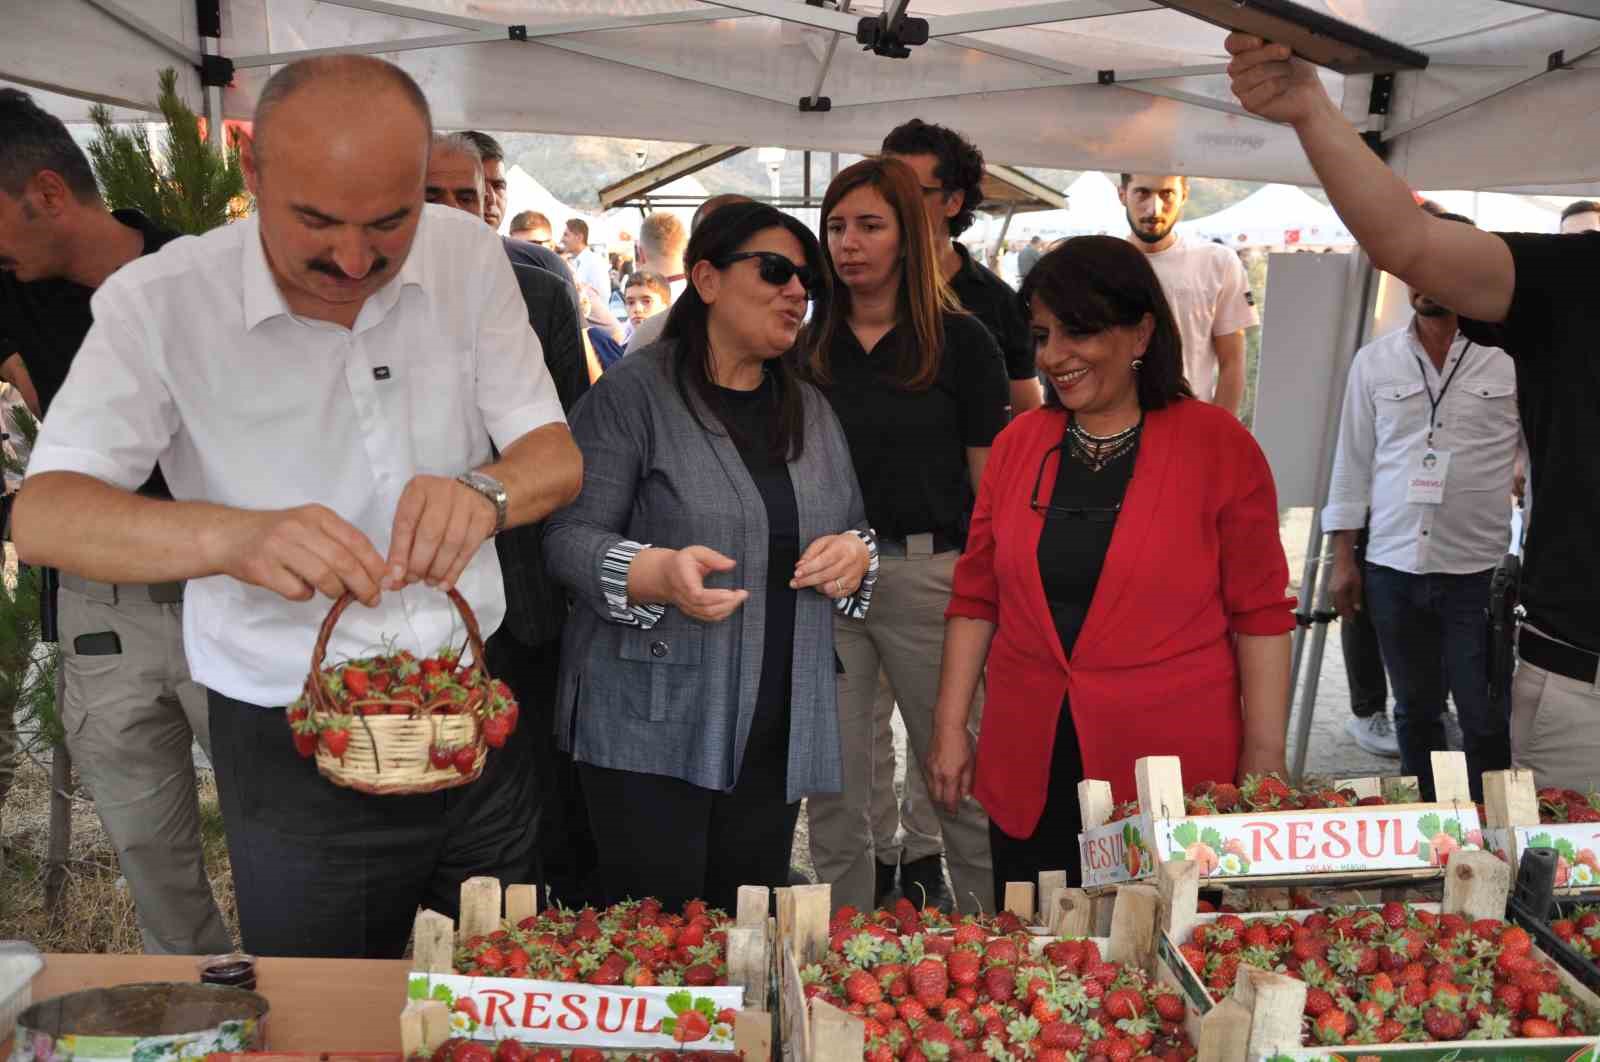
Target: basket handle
[319,694]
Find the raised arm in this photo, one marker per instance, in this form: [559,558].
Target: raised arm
[1462,267]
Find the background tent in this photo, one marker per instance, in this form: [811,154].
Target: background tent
[1093,209]
[1502,213]
[1275,216]
[1080,84]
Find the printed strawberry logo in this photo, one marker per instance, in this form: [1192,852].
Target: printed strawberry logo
[1440,838]
[692,1017]
[1204,847]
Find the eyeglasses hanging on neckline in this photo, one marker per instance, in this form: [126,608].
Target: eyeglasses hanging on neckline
[1089,514]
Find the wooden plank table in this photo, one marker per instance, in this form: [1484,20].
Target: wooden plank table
[317,1004]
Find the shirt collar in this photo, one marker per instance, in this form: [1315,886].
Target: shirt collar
[264,300]
[154,235]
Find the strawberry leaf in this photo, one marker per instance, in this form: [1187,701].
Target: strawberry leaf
[668,1025]
[705,1005]
[1541,840]
[1425,851]
[1428,825]
[417,988]
[1186,833]
[444,995]
[1212,838]
[1453,828]
[678,1002]
[1568,852]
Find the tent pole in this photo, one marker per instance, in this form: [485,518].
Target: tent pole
[213,101]
[1314,588]
[1005,227]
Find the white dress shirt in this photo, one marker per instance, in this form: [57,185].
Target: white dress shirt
[591,268]
[1383,430]
[1206,286]
[196,361]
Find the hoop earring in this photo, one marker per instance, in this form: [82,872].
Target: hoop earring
[1137,362]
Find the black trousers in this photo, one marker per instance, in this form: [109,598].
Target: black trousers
[664,837]
[1054,843]
[565,854]
[327,872]
[1363,656]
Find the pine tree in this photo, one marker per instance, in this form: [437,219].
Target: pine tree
[27,665]
[191,188]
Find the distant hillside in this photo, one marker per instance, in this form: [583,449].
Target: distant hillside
[575,168]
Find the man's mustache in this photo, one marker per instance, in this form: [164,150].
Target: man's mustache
[328,267]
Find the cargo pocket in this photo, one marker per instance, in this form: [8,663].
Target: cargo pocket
[671,659]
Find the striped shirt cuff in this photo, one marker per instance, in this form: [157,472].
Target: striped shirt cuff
[855,606]
[614,568]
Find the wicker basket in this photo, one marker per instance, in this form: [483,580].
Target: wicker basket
[388,754]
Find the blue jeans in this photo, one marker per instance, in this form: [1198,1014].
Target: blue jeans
[1434,640]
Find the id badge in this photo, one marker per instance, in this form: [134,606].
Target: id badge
[1425,477]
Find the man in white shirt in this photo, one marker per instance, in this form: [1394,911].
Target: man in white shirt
[651,329]
[322,386]
[662,241]
[1205,283]
[1428,441]
[588,265]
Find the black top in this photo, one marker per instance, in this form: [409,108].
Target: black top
[1551,333]
[521,252]
[910,447]
[1077,534]
[46,321]
[749,416]
[992,301]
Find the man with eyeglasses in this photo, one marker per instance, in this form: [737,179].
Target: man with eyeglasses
[1205,284]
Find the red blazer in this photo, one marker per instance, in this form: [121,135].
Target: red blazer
[1195,558]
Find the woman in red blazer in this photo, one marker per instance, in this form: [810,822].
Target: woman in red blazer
[1123,585]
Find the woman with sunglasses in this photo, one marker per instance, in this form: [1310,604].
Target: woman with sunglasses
[719,529]
[1123,581]
[921,390]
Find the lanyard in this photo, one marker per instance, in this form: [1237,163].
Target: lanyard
[1433,402]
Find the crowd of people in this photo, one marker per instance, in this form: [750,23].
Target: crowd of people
[813,479]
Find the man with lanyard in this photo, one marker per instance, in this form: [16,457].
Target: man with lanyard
[1531,296]
[130,709]
[326,425]
[1428,443]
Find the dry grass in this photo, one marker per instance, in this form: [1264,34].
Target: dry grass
[96,910]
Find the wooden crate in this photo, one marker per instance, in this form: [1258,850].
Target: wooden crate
[1322,847]
[1262,1017]
[818,1031]
[1511,808]
[567,1015]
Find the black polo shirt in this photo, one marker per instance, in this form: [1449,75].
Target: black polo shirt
[45,322]
[910,447]
[1552,333]
[994,302]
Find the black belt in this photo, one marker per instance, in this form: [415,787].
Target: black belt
[923,545]
[1558,658]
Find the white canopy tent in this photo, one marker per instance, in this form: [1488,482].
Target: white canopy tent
[1093,209]
[1081,84]
[1275,216]
[1500,212]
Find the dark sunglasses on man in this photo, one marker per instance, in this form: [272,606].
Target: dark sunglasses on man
[776,269]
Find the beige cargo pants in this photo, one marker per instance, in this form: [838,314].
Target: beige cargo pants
[131,714]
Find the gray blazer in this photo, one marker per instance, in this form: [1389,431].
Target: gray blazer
[677,699]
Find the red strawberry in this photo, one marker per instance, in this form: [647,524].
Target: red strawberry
[970,933]
[860,987]
[1333,1027]
[496,729]
[356,681]
[1168,1006]
[305,743]
[440,756]
[1318,1002]
[546,1054]
[912,1011]
[700,975]
[1061,1034]
[1442,1023]
[587,1054]
[336,738]
[1539,1029]
[963,967]
[1393,914]
[1122,1003]
[465,758]
[1515,939]
[512,1051]
[1000,982]
[930,982]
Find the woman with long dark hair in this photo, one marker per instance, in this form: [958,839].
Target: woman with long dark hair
[1123,581]
[719,530]
[921,391]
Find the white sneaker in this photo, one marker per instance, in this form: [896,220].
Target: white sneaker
[1374,734]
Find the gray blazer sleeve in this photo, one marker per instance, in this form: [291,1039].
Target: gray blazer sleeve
[613,433]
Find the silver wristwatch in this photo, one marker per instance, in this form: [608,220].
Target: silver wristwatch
[492,489]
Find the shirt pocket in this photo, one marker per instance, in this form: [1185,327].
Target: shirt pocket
[1399,405]
[667,663]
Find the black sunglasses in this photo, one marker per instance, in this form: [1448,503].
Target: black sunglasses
[776,269]
[1092,515]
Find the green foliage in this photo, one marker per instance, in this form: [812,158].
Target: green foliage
[188,189]
[27,665]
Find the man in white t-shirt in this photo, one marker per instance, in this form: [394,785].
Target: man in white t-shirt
[1205,284]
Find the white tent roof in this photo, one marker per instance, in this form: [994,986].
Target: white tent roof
[1275,215]
[1082,84]
[524,192]
[1093,209]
